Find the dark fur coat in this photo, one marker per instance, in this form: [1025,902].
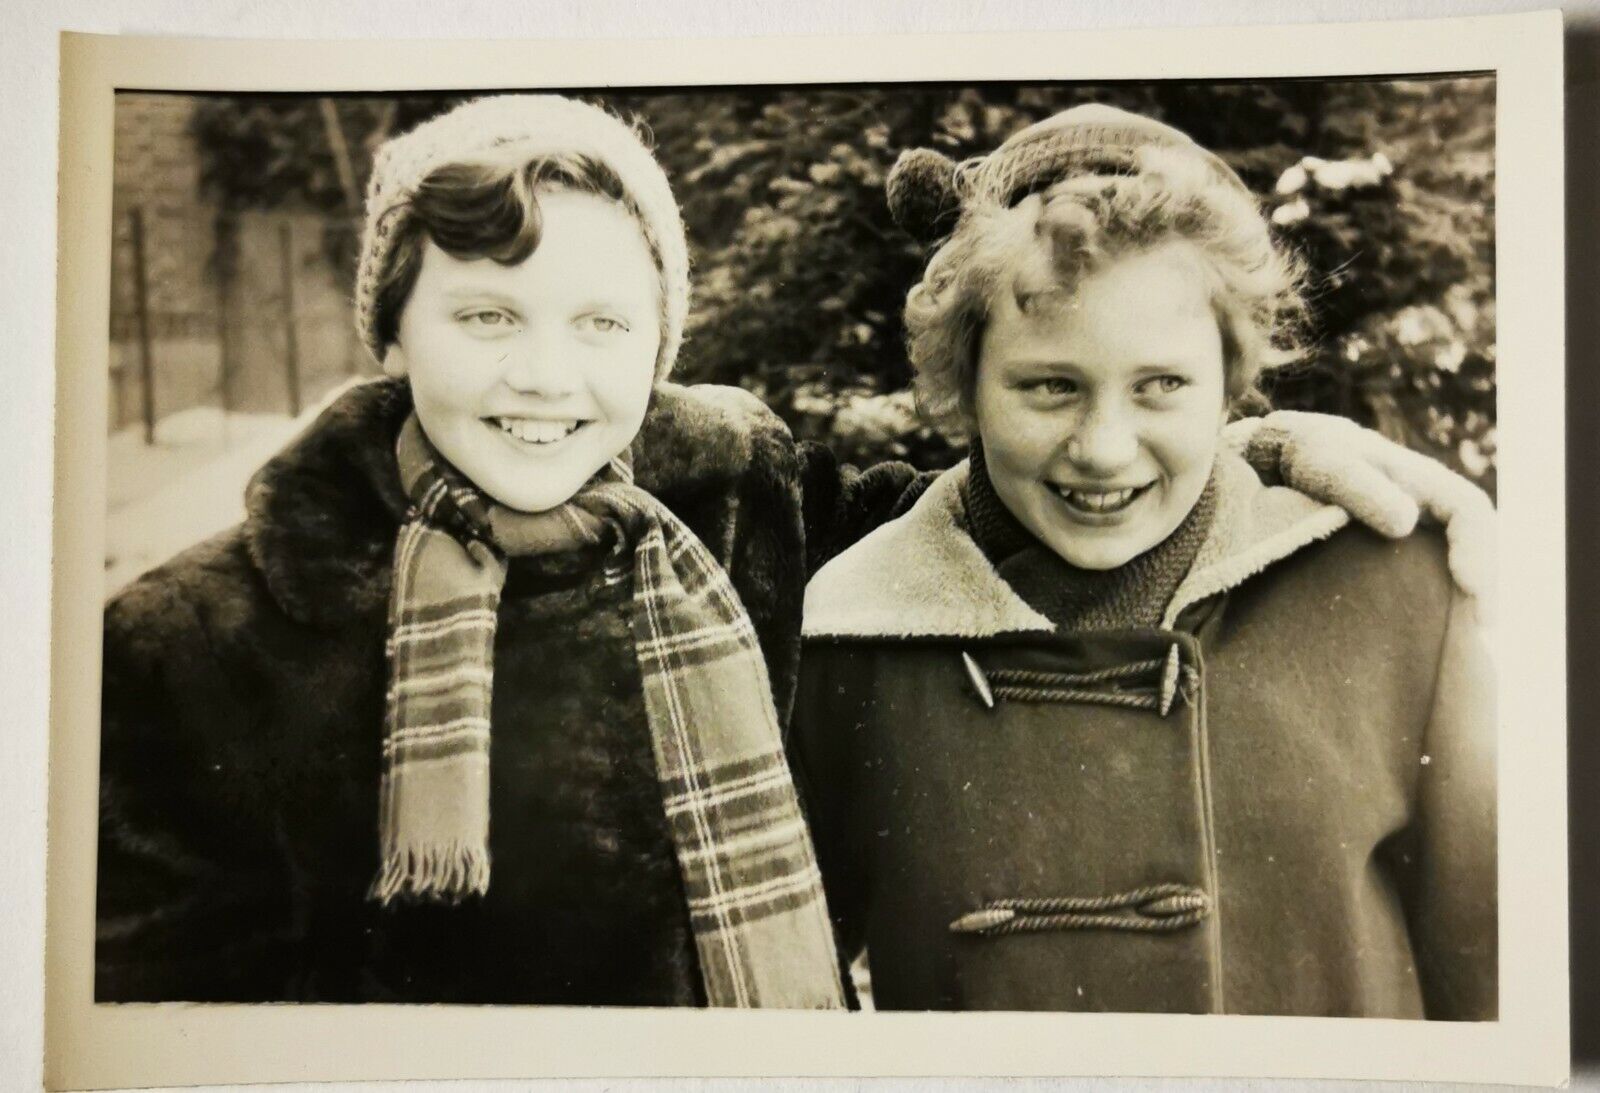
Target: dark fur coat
[243,718]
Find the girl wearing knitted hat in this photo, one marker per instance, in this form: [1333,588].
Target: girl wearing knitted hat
[482,701]
[525,534]
[1136,731]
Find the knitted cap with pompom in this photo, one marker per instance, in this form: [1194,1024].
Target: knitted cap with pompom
[922,194]
[525,128]
[926,190]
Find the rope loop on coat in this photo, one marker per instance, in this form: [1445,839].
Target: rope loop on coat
[1157,908]
[1153,684]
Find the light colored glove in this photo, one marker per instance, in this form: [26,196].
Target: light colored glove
[1383,484]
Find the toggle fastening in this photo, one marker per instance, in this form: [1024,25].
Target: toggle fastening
[980,682]
[1169,680]
[1158,908]
[1154,684]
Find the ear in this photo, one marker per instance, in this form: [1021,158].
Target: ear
[394,362]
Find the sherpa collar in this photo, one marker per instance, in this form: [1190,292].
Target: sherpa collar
[924,576]
[322,515]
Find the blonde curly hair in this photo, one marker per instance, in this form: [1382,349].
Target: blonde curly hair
[1049,241]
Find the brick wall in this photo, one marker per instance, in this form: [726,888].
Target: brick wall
[156,170]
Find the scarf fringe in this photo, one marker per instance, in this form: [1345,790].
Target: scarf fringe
[445,873]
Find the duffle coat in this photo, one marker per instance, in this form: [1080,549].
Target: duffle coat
[242,724]
[1279,801]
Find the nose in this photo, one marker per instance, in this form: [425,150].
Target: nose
[535,365]
[1103,442]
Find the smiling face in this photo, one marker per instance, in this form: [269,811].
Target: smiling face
[531,377]
[1100,409]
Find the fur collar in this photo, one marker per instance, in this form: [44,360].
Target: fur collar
[924,576]
[321,516]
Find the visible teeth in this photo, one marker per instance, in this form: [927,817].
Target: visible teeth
[537,432]
[1089,501]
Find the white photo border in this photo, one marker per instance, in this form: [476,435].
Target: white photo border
[89,1046]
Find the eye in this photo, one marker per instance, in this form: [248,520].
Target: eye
[604,324]
[1053,386]
[486,320]
[1163,385]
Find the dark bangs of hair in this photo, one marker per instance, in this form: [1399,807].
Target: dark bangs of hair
[481,210]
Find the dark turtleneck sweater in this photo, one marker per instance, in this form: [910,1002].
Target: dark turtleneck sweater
[1135,594]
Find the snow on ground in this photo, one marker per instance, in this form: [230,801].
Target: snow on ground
[188,485]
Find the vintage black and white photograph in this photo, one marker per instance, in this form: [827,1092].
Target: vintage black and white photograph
[926,546]
[657,548]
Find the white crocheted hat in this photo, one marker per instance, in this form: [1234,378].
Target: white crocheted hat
[526,127]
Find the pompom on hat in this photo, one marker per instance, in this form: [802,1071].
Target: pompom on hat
[927,190]
[522,128]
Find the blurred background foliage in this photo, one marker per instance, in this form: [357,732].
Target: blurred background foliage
[1384,187]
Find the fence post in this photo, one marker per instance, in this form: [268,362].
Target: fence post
[141,310]
[341,155]
[291,344]
[352,199]
[225,238]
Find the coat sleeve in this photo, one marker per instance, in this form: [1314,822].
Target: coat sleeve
[842,502]
[1379,482]
[1454,912]
[827,721]
[190,898]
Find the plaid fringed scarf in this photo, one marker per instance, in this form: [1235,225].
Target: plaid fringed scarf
[755,896]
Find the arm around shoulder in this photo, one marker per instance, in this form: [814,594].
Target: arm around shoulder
[1384,485]
[843,502]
